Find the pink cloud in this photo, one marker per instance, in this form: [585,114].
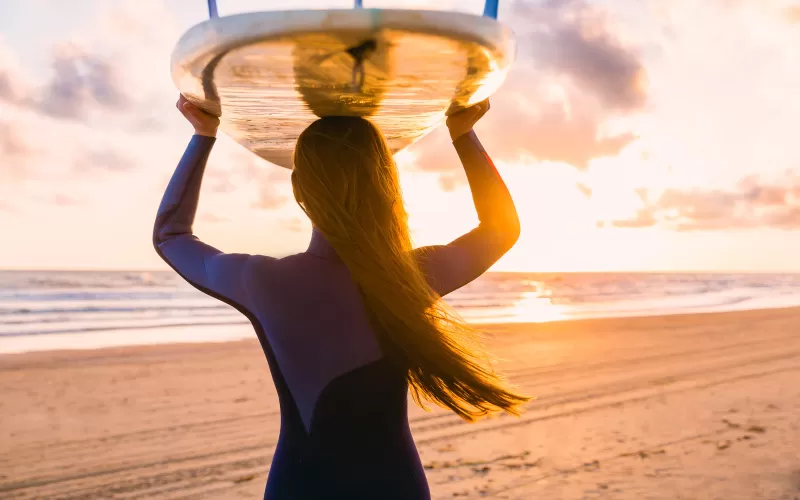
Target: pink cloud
[295,224]
[13,85]
[63,200]
[211,217]
[583,188]
[573,39]
[82,81]
[6,207]
[270,193]
[754,203]
[643,218]
[449,182]
[568,45]
[793,14]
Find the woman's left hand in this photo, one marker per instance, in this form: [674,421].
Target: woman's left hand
[462,122]
[203,123]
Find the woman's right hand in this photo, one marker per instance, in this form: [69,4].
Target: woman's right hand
[460,123]
[203,123]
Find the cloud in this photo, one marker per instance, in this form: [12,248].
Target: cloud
[14,154]
[221,183]
[12,143]
[107,160]
[583,188]
[75,114]
[572,39]
[566,131]
[233,169]
[269,198]
[37,147]
[753,203]
[271,189]
[792,14]
[109,70]
[63,200]
[212,218]
[13,83]
[787,218]
[81,83]
[572,75]
[296,224]
[643,218]
[450,181]
[7,92]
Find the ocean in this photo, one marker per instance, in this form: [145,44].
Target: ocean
[42,310]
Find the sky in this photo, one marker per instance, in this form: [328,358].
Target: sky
[634,135]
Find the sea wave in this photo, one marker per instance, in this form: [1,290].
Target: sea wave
[49,280]
[24,311]
[126,307]
[123,327]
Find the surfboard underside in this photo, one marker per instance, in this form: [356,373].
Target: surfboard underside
[270,75]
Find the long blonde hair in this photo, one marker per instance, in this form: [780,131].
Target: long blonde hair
[346,181]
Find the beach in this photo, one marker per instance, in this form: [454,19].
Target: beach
[663,407]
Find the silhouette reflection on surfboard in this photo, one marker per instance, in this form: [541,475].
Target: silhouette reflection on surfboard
[268,75]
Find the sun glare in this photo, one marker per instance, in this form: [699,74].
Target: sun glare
[535,308]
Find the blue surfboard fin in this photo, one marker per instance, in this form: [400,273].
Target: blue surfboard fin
[212,9]
[490,8]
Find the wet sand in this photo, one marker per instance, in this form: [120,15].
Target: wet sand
[695,406]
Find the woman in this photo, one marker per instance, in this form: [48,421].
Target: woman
[349,325]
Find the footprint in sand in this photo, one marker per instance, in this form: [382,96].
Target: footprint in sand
[732,425]
[593,465]
[482,470]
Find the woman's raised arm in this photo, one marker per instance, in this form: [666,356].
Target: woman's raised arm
[449,267]
[208,269]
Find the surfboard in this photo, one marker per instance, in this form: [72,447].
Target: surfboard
[268,75]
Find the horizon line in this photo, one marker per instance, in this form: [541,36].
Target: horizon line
[606,271]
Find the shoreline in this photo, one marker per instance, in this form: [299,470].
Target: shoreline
[494,326]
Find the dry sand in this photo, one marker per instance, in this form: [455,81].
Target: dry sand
[694,407]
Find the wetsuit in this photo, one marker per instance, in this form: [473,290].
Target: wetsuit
[344,427]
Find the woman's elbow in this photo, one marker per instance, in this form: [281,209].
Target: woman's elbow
[158,238]
[511,234]
[163,231]
[512,226]
[507,231]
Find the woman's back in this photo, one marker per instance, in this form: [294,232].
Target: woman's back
[314,321]
[344,426]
